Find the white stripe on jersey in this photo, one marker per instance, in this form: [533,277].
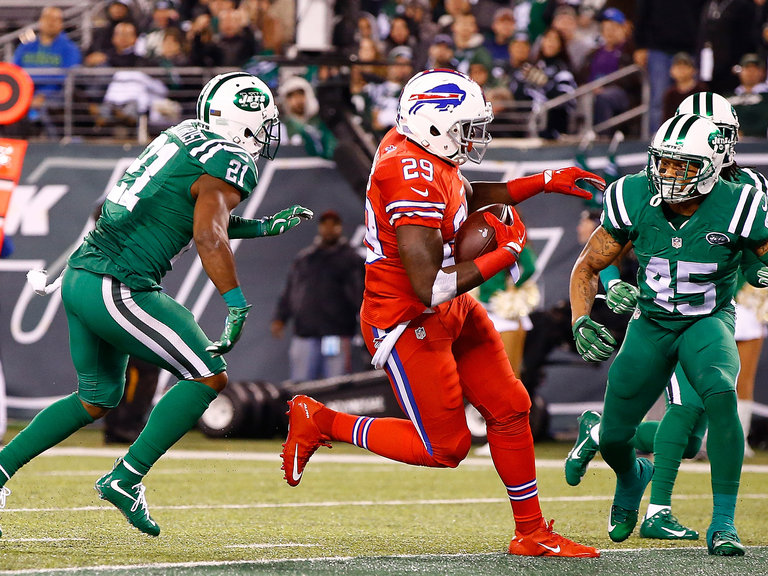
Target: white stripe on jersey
[166,331]
[419,213]
[758,180]
[620,202]
[207,150]
[739,209]
[609,205]
[752,213]
[413,204]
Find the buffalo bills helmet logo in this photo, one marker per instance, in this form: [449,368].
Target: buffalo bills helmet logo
[443,97]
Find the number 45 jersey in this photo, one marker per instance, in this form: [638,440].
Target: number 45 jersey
[688,265]
[147,218]
[408,185]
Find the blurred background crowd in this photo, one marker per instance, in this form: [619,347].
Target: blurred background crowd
[554,69]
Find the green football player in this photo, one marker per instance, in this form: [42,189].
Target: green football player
[681,431]
[181,188]
[688,228]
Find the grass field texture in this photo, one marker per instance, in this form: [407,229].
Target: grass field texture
[224,509]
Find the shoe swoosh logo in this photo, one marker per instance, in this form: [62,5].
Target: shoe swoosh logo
[678,533]
[424,193]
[296,477]
[576,452]
[555,550]
[116,487]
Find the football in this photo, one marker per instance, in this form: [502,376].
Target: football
[475,236]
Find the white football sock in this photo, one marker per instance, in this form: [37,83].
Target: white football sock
[655,509]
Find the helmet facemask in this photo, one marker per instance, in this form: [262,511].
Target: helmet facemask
[471,137]
[687,175]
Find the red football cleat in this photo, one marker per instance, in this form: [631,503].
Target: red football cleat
[304,437]
[546,542]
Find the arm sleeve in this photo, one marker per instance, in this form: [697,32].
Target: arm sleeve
[749,266]
[245,227]
[527,262]
[231,163]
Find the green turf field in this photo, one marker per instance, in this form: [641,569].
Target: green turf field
[224,509]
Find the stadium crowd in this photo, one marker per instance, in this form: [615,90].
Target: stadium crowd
[527,51]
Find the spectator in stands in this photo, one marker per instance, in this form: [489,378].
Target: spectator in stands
[367,28]
[117,11]
[272,23]
[400,35]
[164,17]
[750,99]
[579,42]
[551,76]
[613,53]
[441,53]
[453,8]
[52,48]
[468,42]
[322,295]
[726,33]
[502,30]
[300,119]
[368,51]
[480,72]
[419,14]
[122,52]
[232,46]
[517,67]
[382,99]
[685,83]
[662,29]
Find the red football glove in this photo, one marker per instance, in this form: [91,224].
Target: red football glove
[510,241]
[562,181]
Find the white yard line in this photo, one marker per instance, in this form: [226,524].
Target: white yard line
[328,458]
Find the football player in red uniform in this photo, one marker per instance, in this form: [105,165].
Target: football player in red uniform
[436,342]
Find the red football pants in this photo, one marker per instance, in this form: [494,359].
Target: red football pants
[441,358]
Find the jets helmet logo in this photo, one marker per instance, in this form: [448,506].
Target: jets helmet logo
[718,142]
[444,98]
[251,100]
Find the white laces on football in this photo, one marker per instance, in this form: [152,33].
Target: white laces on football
[141,500]
[4,493]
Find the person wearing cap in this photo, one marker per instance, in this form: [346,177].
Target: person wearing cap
[441,53]
[300,119]
[579,40]
[750,98]
[613,53]
[502,29]
[381,100]
[686,82]
[322,296]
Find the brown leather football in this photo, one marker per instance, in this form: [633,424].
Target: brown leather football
[475,236]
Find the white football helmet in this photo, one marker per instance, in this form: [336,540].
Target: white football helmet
[694,141]
[446,113]
[240,107]
[713,106]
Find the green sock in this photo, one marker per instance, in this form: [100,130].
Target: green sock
[174,415]
[725,443]
[628,486]
[671,441]
[48,428]
[643,439]
[724,509]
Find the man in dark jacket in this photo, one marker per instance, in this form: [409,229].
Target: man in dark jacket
[322,295]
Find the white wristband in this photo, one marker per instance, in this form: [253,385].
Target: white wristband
[444,288]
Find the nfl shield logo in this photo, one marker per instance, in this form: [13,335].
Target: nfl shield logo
[421,333]
[677,243]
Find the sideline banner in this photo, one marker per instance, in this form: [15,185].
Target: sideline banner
[50,212]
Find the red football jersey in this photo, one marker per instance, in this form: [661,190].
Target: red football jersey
[407,186]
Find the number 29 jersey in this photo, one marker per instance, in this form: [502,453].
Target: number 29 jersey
[407,186]
[688,265]
[147,218]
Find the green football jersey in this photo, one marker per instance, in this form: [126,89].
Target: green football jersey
[147,218]
[688,265]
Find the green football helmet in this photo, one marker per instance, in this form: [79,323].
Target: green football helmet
[716,108]
[241,108]
[694,141]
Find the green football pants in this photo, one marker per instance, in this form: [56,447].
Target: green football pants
[108,322]
[707,355]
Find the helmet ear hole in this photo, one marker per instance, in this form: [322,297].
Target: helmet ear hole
[434,131]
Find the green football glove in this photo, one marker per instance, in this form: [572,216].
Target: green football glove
[285,220]
[593,341]
[232,330]
[621,297]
